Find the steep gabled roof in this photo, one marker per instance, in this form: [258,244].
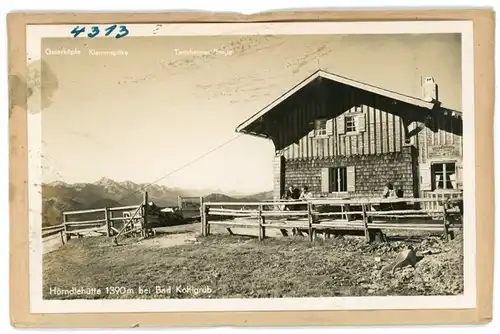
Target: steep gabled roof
[343,80]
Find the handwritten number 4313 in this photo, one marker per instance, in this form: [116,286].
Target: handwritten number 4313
[94,31]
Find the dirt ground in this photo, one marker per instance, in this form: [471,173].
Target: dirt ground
[177,263]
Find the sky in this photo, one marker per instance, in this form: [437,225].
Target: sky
[145,115]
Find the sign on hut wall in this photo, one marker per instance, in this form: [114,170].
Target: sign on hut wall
[443,151]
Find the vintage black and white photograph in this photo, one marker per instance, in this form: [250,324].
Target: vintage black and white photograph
[266,162]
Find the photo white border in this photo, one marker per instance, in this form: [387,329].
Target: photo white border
[35,33]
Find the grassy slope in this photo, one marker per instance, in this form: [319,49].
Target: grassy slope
[235,266]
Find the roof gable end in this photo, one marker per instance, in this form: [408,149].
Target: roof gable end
[340,79]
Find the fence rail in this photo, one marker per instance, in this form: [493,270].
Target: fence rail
[370,215]
[319,214]
[53,230]
[79,212]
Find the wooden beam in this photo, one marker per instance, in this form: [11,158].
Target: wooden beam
[310,220]
[365,222]
[445,223]
[67,213]
[131,219]
[406,130]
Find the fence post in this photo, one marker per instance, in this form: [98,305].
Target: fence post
[65,222]
[108,221]
[111,223]
[205,227]
[62,236]
[445,222]
[365,222]
[310,219]
[145,215]
[261,231]
[263,225]
[207,224]
[202,219]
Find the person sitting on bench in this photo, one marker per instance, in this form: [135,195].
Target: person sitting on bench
[305,194]
[293,194]
[389,192]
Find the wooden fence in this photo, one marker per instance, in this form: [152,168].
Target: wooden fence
[109,225]
[104,221]
[111,222]
[53,230]
[369,216]
[438,197]
[328,215]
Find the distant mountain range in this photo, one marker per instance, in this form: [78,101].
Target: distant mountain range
[60,196]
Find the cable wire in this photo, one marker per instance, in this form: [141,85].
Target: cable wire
[180,168]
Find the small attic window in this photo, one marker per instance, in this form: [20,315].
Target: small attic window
[358,108]
[320,127]
[350,124]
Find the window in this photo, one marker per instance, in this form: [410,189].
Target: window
[320,127]
[338,179]
[443,176]
[350,124]
[358,108]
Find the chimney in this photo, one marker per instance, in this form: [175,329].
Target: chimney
[429,90]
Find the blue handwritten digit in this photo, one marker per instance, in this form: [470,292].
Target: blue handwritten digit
[110,29]
[77,31]
[94,33]
[123,32]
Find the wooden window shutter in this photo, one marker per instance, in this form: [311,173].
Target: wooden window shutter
[341,125]
[329,127]
[425,177]
[351,179]
[325,180]
[361,124]
[459,175]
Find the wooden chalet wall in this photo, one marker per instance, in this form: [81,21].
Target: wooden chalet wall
[375,154]
[440,142]
[380,132]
